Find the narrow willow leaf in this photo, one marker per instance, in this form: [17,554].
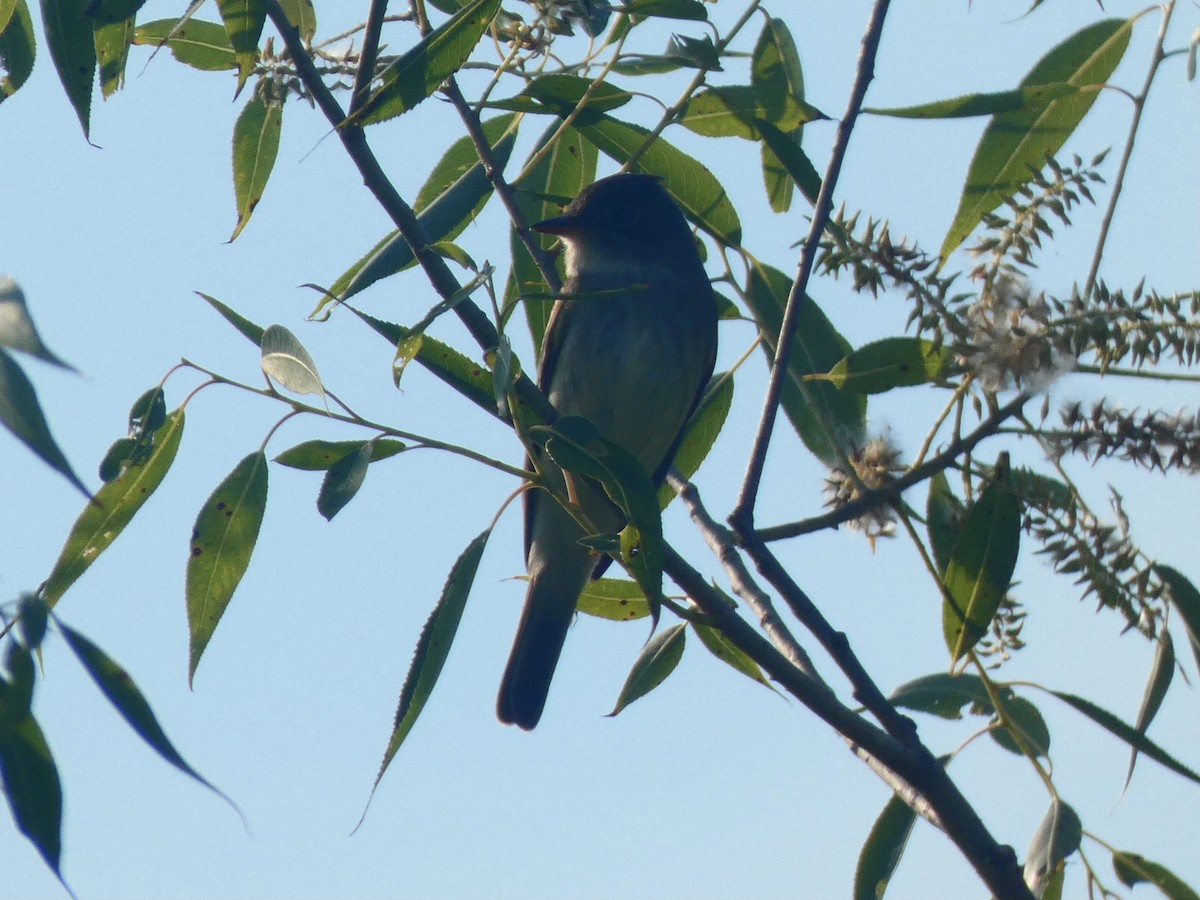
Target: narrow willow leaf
[617,599]
[255,146]
[201,45]
[21,414]
[1031,98]
[697,191]
[1185,600]
[32,616]
[303,15]
[688,10]
[451,366]
[31,785]
[222,542]
[73,49]
[1016,142]
[715,641]
[1161,673]
[1133,868]
[657,660]
[114,506]
[827,420]
[732,111]
[17,331]
[981,566]
[250,331]
[563,93]
[701,432]
[420,71]
[320,456]
[944,695]
[891,363]
[112,42]
[287,361]
[452,196]
[883,849]
[1056,838]
[782,156]
[342,481]
[120,689]
[108,12]
[1027,719]
[18,46]
[433,647]
[563,171]
[244,20]
[944,514]
[1128,734]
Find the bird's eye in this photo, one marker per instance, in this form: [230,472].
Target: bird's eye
[624,216]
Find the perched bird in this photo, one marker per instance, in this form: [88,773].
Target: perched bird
[630,346]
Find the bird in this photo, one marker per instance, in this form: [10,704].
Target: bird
[630,345]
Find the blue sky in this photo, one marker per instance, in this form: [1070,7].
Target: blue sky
[711,786]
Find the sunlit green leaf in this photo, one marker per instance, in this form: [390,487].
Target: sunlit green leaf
[303,15]
[244,20]
[1031,98]
[1133,868]
[250,331]
[420,71]
[720,646]
[255,146]
[1020,140]
[891,363]
[320,456]
[733,110]
[689,10]
[18,46]
[112,52]
[618,599]
[657,660]
[944,695]
[222,542]
[981,567]
[201,45]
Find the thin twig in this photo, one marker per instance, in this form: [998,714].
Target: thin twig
[369,54]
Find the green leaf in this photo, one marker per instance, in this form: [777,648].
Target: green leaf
[73,49]
[1185,600]
[1022,715]
[617,599]
[783,158]
[698,192]
[1016,142]
[827,420]
[201,45]
[1133,868]
[250,331]
[112,42]
[944,695]
[563,171]
[255,146]
[459,371]
[1056,838]
[892,363]
[883,849]
[222,542]
[21,414]
[701,432]
[453,194]
[120,689]
[1128,734]
[18,47]
[562,93]
[17,331]
[8,9]
[109,12]
[244,20]
[732,111]
[715,641]
[286,360]
[944,515]
[114,506]
[433,647]
[1024,99]
[981,566]
[420,71]
[303,15]
[342,481]
[320,456]
[31,785]
[657,660]
[1161,673]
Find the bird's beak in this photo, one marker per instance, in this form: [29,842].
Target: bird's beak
[558,225]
